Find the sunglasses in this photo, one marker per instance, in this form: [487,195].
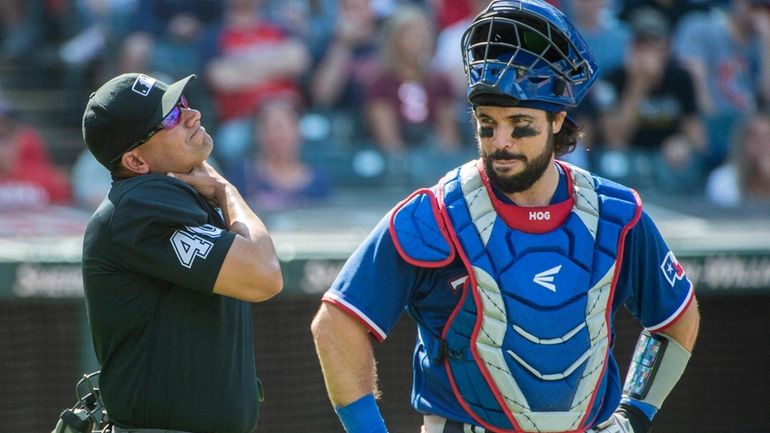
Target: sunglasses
[169,122]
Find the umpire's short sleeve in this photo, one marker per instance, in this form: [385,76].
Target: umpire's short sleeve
[162,228]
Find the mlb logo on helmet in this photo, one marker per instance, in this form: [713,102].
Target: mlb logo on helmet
[671,268]
[143,85]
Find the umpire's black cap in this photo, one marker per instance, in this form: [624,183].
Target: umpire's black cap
[124,111]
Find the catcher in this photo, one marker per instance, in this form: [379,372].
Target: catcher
[514,265]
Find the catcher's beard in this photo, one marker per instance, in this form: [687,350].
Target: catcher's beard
[533,169]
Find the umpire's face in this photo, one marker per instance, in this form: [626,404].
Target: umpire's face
[178,149]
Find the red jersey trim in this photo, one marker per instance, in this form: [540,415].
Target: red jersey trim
[354,312]
[673,318]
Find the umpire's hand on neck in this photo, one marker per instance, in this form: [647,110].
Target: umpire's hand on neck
[209,184]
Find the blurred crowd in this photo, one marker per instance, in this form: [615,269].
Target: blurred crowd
[304,97]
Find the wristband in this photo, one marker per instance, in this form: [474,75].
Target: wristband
[362,416]
[647,409]
[656,367]
[636,417]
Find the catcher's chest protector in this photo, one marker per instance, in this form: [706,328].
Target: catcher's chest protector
[529,339]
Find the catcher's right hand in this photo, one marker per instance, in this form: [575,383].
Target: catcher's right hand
[618,423]
[626,419]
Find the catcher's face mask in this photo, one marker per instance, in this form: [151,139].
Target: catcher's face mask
[528,53]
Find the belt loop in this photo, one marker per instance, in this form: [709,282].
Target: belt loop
[437,424]
[433,423]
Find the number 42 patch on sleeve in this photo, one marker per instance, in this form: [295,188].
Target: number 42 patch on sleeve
[192,242]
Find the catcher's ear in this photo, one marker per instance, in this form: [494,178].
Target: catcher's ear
[558,121]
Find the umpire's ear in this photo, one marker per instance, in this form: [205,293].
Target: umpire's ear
[135,162]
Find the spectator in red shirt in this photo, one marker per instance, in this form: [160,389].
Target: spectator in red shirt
[28,179]
[251,60]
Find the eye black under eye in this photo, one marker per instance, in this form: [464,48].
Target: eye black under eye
[486,131]
[524,131]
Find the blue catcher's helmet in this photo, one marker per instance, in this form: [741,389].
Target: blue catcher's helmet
[525,53]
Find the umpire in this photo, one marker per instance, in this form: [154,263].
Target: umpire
[171,260]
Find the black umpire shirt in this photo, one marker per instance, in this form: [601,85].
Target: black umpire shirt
[173,354]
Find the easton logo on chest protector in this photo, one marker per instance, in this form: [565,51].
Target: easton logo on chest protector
[546,278]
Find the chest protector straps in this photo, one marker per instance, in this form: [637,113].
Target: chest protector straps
[421,238]
[532,325]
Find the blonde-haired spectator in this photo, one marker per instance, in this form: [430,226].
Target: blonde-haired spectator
[407,102]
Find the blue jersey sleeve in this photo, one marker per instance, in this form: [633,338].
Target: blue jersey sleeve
[652,284]
[375,284]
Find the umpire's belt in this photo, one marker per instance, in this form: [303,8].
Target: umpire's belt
[437,424]
[116,429]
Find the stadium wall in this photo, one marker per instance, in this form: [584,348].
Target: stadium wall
[45,347]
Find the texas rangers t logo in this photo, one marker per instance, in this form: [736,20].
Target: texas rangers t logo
[671,269]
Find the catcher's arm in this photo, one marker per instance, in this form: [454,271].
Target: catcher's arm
[658,362]
[347,362]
